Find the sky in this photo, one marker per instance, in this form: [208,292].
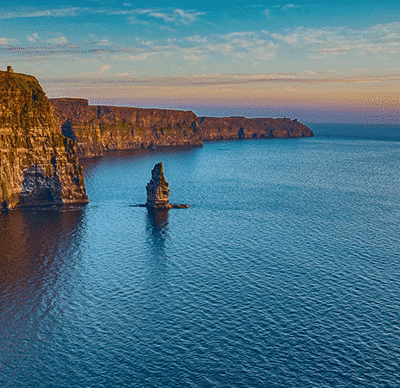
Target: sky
[317,61]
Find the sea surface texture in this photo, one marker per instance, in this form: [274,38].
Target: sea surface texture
[284,271]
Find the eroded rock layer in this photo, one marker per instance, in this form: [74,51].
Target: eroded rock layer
[157,189]
[225,128]
[100,128]
[38,165]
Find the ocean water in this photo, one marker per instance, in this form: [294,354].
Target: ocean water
[284,271]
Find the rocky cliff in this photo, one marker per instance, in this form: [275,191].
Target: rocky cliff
[215,128]
[100,128]
[38,165]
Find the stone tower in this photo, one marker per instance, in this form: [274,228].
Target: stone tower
[157,189]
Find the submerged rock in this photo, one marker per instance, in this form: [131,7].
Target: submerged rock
[158,191]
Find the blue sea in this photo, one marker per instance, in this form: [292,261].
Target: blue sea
[284,271]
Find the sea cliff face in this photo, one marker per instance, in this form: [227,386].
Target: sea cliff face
[100,128]
[38,165]
[224,128]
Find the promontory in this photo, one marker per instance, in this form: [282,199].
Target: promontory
[101,128]
[41,139]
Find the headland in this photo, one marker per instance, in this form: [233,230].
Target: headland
[41,140]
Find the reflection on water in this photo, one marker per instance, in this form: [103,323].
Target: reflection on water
[158,218]
[157,230]
[284,272]
[38,253]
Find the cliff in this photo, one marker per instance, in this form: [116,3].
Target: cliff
[38,165]
[100,128]
[215,128]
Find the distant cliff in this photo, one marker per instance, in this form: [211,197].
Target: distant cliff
[100,128]
[215,128]
[38,165]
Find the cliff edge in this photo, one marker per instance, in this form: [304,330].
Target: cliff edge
[101,128]
[38,165]
[226,128]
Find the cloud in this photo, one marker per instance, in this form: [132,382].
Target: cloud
[62,40]
[136,20]
[146,15]
[192,57]
[104,69]
[34,37]
[378,39]
[139,57]
[102,42]
[177,16]
[163,16]
[196,39]
[238,34]
[187,17]
[8,42]
[62,12]
[288,6]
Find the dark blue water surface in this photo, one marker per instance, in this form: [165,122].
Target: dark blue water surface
[284,271]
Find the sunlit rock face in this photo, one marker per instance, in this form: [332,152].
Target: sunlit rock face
[101,128]
[157,189]
[226,128]
[38,165]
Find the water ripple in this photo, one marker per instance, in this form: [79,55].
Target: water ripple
[284,271]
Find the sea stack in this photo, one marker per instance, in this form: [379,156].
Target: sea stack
[158,191]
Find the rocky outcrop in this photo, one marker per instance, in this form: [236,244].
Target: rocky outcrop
[226,128]
[38,165]
[158,191]
[101,128]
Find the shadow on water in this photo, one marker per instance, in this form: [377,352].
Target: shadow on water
[157,235]
[157,228]
[39,250]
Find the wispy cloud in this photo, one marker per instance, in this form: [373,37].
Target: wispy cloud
[33,37]
[8,42]
[169,16]
[289,6]
[193,57]
[104,69]
[139,57]
[62,12]
[378,39]
[101,42]
[176,16]
[61,40]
